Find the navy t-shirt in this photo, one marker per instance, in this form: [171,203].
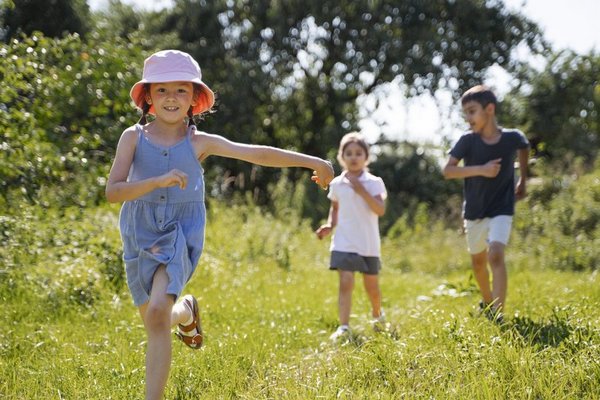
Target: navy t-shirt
[489,197]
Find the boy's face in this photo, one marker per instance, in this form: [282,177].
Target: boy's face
[476,115]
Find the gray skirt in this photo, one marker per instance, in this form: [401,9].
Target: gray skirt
[354,262]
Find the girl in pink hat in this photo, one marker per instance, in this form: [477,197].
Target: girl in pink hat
[157,173]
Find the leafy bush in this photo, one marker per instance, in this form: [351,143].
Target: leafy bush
[560,221]
[63,106]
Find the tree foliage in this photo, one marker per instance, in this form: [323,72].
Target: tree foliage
[52,17]
[288,73]
[63,106]
[559,107]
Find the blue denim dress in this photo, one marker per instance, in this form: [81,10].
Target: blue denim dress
[165,226]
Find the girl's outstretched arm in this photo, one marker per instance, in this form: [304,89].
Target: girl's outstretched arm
[119,189]
[263,155]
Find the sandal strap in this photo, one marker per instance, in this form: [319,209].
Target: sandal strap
[192,305]
[195,342]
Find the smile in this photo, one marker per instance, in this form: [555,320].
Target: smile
[172,108]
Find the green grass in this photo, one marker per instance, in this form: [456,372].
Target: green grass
[68,329]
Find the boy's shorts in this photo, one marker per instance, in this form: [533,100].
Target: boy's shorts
[481,232]
[354,262]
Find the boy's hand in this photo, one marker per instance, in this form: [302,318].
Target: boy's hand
[323,175]
[520,190]
[174,177]
[491,168]
[323,231]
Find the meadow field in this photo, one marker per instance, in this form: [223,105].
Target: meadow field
[68,329]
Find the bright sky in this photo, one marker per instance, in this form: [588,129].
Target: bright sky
[572,24]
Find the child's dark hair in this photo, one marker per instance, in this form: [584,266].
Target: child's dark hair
[352,137]
[146,106]
[481,94]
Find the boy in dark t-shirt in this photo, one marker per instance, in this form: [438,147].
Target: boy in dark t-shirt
[488,152]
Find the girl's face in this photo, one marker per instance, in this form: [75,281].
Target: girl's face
[171,100]
[355,157]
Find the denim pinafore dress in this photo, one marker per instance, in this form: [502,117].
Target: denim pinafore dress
[165,226]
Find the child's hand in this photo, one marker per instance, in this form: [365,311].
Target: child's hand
[174,177]
[354,181]
[323,175]
[491,168]
[323,231]
[520,191]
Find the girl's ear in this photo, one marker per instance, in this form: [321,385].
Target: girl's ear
[148,100]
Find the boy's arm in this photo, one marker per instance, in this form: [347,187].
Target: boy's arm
[453,171]
[520,190]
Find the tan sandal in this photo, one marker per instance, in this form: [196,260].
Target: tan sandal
[194,341]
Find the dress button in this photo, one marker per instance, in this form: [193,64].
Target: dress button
[165,153]
[162,197]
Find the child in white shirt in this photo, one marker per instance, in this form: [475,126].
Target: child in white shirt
[357,201]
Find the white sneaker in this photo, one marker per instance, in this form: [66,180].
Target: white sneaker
[379,323]
[340,332]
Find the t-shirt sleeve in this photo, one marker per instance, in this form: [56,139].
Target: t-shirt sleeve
[522,142]
[379,188]
[331,195]
[459,151]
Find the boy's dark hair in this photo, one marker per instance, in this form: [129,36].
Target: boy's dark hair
[481,94]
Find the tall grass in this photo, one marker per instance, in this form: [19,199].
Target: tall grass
[68,329]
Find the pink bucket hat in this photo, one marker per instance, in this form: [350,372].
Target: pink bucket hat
[172,66]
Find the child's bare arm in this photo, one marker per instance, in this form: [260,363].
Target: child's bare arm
[521,190]
[375,203]
[453,171]
[266,156]
[326,229]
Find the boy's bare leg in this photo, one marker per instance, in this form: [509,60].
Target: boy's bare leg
[499,275]
[345,296]
[482,275]
[371,283]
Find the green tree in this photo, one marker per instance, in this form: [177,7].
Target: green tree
[63,105]
[288,73]
[413,177]
[52,17]
[559,107]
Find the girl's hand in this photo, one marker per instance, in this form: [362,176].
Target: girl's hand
[174,177]
[354,182]
[323,231]
[323,175]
